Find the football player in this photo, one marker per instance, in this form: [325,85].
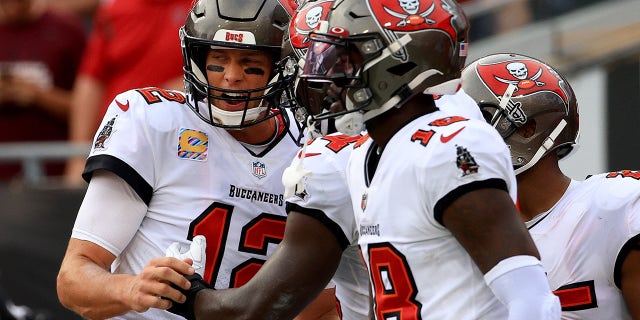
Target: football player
[314,248]
[433,245]
[321,220]
[167,166]
[587,232]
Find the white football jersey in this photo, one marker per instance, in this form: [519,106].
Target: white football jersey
[582,242]
[196,179]
[325,192]
[459,104]
[418,269]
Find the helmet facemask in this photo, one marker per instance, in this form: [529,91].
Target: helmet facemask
[238,24]
[337,63]
[260,103]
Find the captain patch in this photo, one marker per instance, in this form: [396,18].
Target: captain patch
[193,145]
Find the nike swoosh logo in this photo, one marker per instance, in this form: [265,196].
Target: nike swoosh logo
[445,139]
[307,155]
[123,107]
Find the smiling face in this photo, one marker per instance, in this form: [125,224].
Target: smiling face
[237,69]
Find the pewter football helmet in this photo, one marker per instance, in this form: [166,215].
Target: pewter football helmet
[236,24]
[512,90]
[383,52]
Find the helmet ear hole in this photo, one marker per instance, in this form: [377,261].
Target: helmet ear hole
[401,69]
[528,129]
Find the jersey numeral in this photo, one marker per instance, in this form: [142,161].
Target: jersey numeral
[153,95]
[422,136]
[447,121]
[255,237]
[577,296]
[625,174]
[339,142]
[394,287]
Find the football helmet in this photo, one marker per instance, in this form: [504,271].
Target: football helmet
[237,24]
[383,52]
[513,90]
[296,42]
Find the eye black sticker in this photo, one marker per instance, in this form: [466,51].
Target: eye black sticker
[257,71]
[215,68]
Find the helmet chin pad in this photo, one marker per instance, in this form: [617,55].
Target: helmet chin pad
[235,118]
[351,124]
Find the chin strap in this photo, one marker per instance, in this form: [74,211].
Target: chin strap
[546,146]
[397,99]
[548,142]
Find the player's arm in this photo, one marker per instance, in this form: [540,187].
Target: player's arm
[487,225]
[322,308]
[630,280]
[85,104]
[292,277]
[85,283]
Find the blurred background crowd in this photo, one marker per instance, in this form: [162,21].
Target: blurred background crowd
[63,61]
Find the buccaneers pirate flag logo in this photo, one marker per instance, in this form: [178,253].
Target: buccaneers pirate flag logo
[413,15]
[526,75]
[527,78]
[305,21]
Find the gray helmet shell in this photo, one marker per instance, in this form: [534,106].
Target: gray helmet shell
[540,94]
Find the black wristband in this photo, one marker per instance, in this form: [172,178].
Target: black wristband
[186,309]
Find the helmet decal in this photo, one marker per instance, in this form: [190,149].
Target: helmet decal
[305,20]
[289,5]
[413,15]
[224,35]
[526,75]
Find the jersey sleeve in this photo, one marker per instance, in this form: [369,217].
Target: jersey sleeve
[618,194]
[326,194]
[123,146]
[475,158]
[459,103]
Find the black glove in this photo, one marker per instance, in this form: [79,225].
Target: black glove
[186,309]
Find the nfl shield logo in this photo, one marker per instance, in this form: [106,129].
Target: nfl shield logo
[259,169]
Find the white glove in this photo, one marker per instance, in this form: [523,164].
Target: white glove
[196,251]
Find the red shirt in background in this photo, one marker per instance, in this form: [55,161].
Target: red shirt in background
[134,44]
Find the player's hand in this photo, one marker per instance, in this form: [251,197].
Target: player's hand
[160,278]
[196,252]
